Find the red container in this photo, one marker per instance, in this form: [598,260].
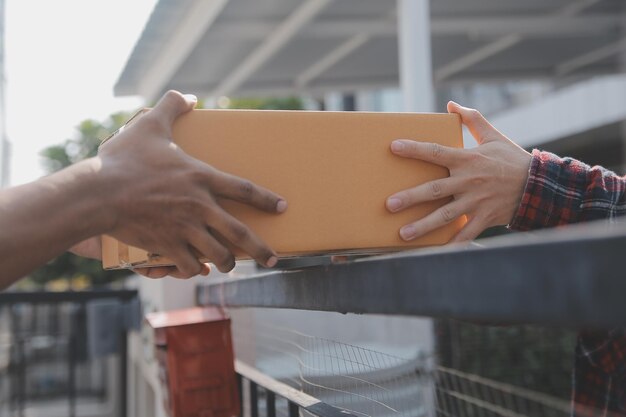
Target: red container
[196,363]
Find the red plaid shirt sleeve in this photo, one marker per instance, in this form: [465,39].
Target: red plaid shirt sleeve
[561,191]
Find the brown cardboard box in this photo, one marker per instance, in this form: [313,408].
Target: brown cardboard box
[335,170]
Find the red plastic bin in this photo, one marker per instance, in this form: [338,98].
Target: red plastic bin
[196,364]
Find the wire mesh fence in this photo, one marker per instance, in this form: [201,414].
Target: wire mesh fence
[367,382]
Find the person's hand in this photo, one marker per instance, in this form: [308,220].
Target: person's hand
[166,202]
[486,182]
[92,248]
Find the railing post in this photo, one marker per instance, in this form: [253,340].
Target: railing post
[270,403]
[293,409]
[123,352]
[71,354]
[240,389]
[254,399]
[21,396]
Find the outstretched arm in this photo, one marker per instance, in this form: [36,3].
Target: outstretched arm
[41,220]
[141,189]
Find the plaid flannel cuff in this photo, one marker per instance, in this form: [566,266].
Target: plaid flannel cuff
[528,215]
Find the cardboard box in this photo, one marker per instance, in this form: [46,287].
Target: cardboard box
[335,170]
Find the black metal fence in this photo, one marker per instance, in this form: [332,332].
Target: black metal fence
[266,396]
[45,354]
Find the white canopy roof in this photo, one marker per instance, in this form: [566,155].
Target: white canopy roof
[236,47]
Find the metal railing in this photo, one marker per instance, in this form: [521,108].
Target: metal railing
[45,352]
[568,278]
[272,391]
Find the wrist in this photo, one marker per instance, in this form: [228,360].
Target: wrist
[520,208]
[527,215]
[95,189]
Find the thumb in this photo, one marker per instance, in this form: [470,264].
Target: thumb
[478,126]
[172,105]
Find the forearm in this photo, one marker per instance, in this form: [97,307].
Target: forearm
[140,179]
[563,190]
[43,219]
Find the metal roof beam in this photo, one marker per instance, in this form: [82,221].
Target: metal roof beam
[319,29]
[500,45]
[271,45]
[590,58]
[476,27]
[331,59]
[199,17]
[475,57]
[343,50]
[527,26]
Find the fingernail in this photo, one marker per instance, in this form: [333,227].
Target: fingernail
[397,146]
[408,232]
[394,203]
[191,97]
[271,262]
[455,103]
[281,206]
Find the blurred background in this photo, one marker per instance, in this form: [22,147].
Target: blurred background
[549,74]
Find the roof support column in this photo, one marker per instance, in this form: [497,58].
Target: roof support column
[416,84]
[414,51]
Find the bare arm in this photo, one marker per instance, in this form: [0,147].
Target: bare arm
[42,219]
[141,189]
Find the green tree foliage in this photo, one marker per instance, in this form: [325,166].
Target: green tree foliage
[85,145]
[287,103]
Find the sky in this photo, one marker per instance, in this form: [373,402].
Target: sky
[62,60]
